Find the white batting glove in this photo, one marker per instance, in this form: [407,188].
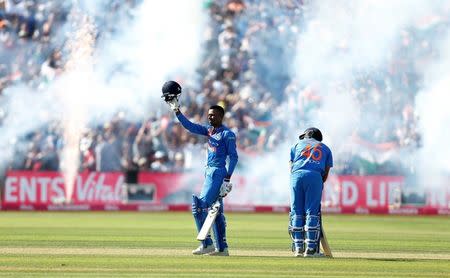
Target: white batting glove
[225,188]
[174,105]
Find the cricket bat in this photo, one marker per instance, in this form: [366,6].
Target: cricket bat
[209,221]
[324,243]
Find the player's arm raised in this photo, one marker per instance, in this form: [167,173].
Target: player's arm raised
[192,127]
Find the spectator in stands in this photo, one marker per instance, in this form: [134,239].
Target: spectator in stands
[142,148]
[108,152]
[160,162]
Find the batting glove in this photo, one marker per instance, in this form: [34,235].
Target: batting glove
[174,105]
[225,188]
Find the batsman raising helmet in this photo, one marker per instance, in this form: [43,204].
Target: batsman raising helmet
[310,163]
[221,144]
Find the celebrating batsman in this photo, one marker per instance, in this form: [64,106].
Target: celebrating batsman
[310,162]
[221,144]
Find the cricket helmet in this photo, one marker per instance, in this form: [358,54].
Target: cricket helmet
[171,90]
[311,132]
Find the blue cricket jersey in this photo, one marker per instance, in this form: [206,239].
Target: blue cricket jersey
[310,154]
[221,143]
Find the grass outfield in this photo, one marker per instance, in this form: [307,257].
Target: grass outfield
[159,244]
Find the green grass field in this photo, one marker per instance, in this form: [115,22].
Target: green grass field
[134,244]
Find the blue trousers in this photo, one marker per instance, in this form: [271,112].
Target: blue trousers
[306,194]
[210,192]
[211,187]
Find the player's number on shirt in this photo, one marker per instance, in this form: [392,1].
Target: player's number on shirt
[315,153]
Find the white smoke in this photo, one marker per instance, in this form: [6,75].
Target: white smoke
[26,111]
[432,105]
[163,41]
[346,36]
[267,179]
[339,39]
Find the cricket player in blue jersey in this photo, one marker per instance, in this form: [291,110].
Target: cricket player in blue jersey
[310,163]
[221,144]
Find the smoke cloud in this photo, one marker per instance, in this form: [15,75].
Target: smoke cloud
[432,107]
[340,41]
[344,39]
[123,71]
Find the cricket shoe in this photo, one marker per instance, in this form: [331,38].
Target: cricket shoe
[216,252]
[298,252]
[201,250]
[312,253]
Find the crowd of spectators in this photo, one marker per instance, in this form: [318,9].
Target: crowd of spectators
[248,45]
[388,98]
